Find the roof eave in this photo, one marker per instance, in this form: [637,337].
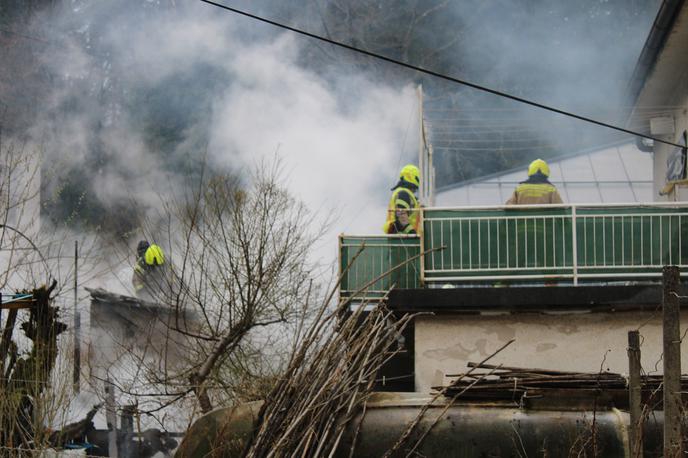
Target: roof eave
[664,22]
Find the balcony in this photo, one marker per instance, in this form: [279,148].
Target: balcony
[564,245]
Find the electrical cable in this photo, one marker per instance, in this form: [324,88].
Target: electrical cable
[436,74]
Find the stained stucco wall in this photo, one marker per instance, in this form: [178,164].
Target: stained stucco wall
[572,342]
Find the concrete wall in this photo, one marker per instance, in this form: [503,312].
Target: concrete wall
[125,339]
[572,342]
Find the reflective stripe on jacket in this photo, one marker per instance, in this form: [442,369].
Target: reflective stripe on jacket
[139,276]
[535,193]
[402,213]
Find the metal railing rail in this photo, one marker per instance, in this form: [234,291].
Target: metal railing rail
[374,255]
[534,243]
[574,242]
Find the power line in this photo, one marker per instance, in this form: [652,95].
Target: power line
[436,74]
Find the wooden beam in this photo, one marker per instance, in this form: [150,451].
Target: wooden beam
[16,305]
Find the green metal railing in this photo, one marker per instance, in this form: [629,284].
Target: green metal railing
[365,258]
[564,243]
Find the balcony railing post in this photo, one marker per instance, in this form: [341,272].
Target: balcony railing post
[574,244]
[340,270]
[421,224]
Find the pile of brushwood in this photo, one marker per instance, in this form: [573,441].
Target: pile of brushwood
[488,382]
[330,376]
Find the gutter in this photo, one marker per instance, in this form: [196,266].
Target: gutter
[664,22]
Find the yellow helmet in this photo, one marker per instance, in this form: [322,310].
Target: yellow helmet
[411,174]
[154,256]
[538,165]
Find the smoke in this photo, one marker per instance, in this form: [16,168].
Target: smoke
[142,92]
[576,56]
[335,157]
[146,91]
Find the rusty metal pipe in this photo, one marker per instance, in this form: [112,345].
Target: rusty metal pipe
[466,430]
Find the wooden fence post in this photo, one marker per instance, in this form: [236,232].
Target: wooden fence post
[76,376]
[672,363]
[111,418]
[127,428]
[634,395]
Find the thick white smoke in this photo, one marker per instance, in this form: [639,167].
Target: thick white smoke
[341,140]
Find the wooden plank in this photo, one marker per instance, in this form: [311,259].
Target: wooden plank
[17,305]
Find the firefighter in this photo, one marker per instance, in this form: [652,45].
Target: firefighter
[536,189]
[532,239]
[149,270]
[403,209]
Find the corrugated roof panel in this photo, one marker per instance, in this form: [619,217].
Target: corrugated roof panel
[505,192]
[453,197]
[608,166]
[576,169]
[613,174]
[638,164]
[484,194]
[555,172]
[582,193]
[617,193]
[643,192]
[514,177]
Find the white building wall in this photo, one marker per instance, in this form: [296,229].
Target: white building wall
[662,151]
[586,342]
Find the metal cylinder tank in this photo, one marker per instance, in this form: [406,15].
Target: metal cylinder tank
[463,430]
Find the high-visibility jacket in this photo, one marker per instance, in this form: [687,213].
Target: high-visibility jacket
[535,191]
[402,213]
[149,281]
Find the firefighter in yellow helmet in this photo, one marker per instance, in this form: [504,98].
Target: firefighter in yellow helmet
[149,271]
[536,189]
[403,209]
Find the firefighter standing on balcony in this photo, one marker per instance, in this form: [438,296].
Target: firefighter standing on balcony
[536,189]
[403,209]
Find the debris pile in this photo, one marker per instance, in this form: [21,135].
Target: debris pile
[493,383]
[327,383]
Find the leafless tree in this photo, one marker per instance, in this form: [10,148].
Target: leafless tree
[19,211]
[36,270]
[238,278]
